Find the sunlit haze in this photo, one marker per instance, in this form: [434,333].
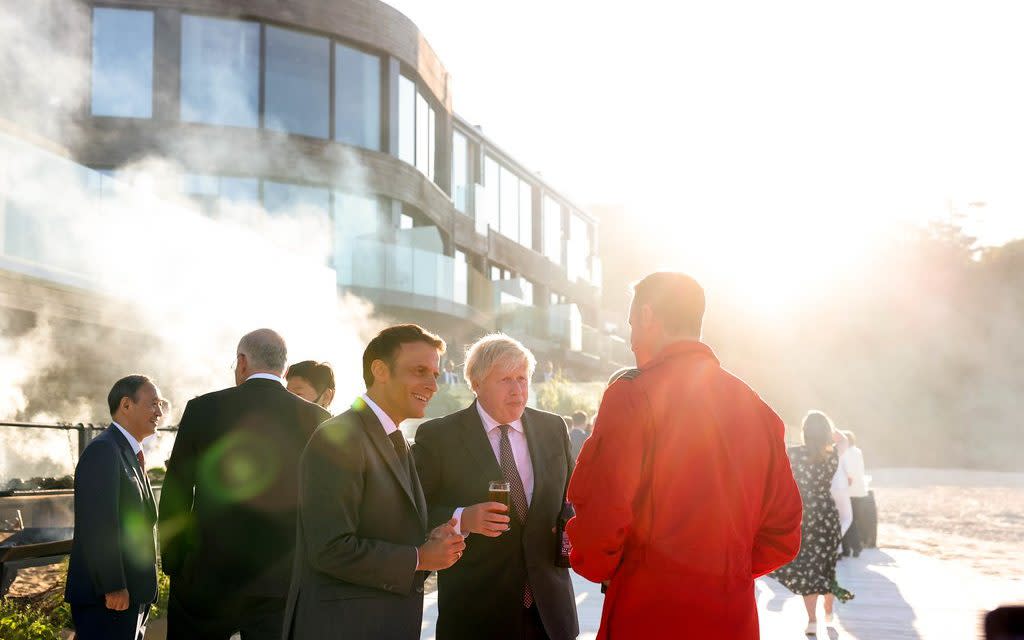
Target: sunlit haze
[766,140]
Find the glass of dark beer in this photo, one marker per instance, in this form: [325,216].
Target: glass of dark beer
[500,492]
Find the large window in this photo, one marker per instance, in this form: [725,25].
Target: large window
[525,214]
[220,71]
[460,171]
[552,230]
[122,63]
[492,201]
[425,136]
[406,120]
[297,83]
[356,97]
[417,128]
[579,249]
[509,204]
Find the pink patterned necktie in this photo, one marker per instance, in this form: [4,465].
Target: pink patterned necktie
[510,473]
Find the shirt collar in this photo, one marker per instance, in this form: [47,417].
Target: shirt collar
[267,376]
[136,446]
[681,348]
[385,420]
[490,424]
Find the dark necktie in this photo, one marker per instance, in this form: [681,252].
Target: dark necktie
[510,473]
[401,448]
[142,460]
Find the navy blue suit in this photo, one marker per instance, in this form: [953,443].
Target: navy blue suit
[114,546]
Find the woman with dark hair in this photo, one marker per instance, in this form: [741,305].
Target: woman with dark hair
[813,572]
[312,381]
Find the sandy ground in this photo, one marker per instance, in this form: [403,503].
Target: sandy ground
[972,517]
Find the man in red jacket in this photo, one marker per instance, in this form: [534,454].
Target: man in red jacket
[683,494]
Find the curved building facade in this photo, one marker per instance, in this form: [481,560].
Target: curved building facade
[341,111]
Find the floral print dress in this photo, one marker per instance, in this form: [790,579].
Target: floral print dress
[814,568]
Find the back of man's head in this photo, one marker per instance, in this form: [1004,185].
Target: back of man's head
[675,299]
[265,350]
[579,419]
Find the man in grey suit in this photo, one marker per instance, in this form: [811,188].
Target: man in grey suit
[363,549]
[509,586]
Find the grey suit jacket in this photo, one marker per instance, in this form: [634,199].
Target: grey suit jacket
[361,517]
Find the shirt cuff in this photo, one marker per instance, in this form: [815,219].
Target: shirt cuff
[458,522]
[416,567]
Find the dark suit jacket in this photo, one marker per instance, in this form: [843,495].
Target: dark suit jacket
[229,500]
[484,589]
[115,515]
[360,520]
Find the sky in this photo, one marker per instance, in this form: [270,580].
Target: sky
[753,128]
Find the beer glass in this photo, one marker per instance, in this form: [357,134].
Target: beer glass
[500,492]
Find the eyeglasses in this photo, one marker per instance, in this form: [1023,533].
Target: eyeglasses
[234,363]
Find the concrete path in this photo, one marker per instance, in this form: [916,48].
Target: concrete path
[901,595]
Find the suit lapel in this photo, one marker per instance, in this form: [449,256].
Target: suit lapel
[538,449]
[384,447]
[475,439]
[132,464]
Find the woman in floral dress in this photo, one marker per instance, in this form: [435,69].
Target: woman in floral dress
[813,572]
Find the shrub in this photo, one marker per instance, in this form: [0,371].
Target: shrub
[26,622]
[563,397]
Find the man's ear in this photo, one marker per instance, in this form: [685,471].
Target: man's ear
[328,396]
[646,314]
[380,370]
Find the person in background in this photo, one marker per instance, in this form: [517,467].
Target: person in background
[449,376]
[111,581]
[841,484]
[853,461]
[549,371]
[312,381]
[812,574]
[683,494]
[578,434]
[230,499]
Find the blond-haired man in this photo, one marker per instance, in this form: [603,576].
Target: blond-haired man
[507,586]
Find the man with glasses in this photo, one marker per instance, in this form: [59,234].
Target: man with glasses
[229,500]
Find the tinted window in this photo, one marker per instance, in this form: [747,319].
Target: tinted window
[220,71]
[297,83]
[122,63]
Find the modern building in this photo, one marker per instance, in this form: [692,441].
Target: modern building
[341,111]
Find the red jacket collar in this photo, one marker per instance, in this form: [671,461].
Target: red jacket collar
[680,349]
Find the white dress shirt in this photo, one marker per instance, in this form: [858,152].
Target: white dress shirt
[385,420]
[267,376]
[853,459]
[136,445]
[520,451]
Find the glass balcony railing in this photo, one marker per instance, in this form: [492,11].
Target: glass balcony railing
[380,265]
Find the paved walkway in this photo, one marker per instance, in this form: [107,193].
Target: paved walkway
[901,595]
